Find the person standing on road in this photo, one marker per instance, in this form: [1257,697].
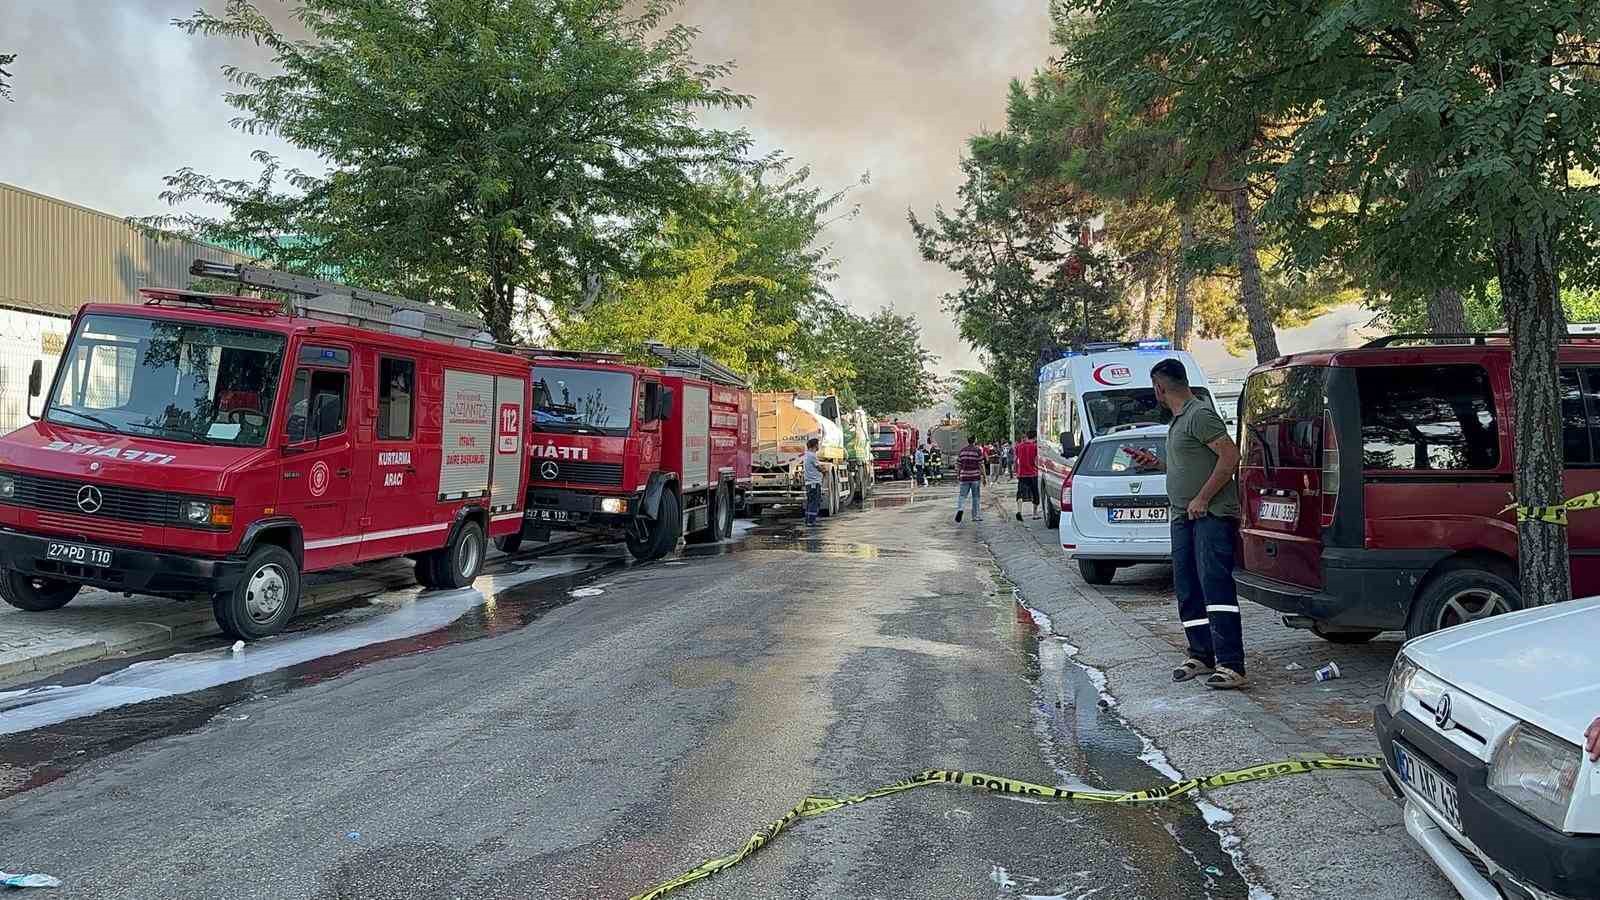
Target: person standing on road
[1204,506]
[812,472]
[1027,454]
[1008,456]
[969,471]
[919,462]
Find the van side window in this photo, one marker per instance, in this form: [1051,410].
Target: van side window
[1428,418]
[1574,420]
[397,379]
[317,404]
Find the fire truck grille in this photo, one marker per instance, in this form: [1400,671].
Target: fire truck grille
[120,503]
[568,472]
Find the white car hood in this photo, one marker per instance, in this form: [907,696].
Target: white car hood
[1540,665]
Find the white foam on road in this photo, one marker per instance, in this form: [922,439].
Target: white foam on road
[186,673]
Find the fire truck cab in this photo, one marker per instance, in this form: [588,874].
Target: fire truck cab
[214,446]
[645,454]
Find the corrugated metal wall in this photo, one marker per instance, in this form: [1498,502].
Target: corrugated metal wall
[56,256]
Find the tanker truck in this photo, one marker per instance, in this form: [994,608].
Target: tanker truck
[785,420]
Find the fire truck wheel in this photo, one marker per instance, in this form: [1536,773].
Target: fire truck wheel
[663,531]
[725,521]
[33,593]
[719,518]
[265,599]
[458,565]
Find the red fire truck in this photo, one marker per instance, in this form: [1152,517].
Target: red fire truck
[203,445]
[635,452]
[893,445]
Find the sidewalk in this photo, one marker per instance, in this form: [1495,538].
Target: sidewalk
[99,624]
[1338,836]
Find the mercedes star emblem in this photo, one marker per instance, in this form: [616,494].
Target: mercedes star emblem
[1441,713]
[549,470]
[89,499]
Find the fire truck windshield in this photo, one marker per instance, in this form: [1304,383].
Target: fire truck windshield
[884,438]
[172,380]
[582,400]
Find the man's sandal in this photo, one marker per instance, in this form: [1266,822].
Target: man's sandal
[1191,668]
[1226,679]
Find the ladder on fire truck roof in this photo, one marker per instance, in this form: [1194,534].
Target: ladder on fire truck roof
[695,364]
[330,301]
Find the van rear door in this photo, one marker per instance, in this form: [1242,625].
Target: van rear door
[1281,415]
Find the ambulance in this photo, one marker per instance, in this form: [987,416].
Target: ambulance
[218,447]
[1089,391]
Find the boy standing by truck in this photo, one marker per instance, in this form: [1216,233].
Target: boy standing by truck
[812,472]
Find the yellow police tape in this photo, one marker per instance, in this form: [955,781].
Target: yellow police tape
[816,806]
[1555,515]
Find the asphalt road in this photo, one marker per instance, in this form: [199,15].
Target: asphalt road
[546,746]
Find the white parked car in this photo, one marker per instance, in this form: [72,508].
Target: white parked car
[1114,503]
[1482,733]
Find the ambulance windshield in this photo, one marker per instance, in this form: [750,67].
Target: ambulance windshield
[1127,406]
[178,381]
[582,400]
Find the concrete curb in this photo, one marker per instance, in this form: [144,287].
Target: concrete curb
[128,638]
[1337,836]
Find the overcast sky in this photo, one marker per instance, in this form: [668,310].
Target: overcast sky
[110,97]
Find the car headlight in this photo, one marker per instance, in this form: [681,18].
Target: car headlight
[8,487]
[1535,772]
[613,505]
[1401,675]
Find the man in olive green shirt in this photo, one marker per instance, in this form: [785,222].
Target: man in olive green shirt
[1204,501]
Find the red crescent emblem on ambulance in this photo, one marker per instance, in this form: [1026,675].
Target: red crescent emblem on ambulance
[1113,374]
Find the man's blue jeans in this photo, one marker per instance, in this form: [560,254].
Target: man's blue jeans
[1208,601]
[969,487]
[813,502]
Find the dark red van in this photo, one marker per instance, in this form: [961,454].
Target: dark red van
[1373,481]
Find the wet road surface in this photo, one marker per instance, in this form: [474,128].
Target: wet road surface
[591,731]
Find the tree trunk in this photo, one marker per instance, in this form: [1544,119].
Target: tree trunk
[1252,296]
[1446,313]
[1182,302]
[1147,312]
[1525,260]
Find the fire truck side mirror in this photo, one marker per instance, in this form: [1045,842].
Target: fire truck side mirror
[35,384]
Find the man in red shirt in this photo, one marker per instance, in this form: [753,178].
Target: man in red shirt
[1027,455]
[969,471]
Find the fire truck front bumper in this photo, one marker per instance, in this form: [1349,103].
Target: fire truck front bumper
[575,509]
[126,568]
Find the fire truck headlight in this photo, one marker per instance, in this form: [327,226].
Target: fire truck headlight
[197,512]
[613,505]
[8,487]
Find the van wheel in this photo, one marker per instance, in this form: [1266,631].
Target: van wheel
[265,599]
[1052,516]
[1344,637]
[1459,595]
[1097,571]
[663,536]
[35,594]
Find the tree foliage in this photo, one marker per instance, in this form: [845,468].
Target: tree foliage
[984,406]
[890,367]
[497,155]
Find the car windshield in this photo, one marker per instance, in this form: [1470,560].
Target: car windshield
[1128,406]
[883,439]
[1131,456]
[582,400]
[172,380]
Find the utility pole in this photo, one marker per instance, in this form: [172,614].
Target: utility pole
[1011,400]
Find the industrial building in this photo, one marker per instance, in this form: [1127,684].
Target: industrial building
[56,256]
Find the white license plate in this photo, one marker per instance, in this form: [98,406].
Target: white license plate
[78,553]
[1279,511]
[1138,514]
[549,515]
[1430,783]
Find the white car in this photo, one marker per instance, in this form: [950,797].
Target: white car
[1114,503]
[1482,733]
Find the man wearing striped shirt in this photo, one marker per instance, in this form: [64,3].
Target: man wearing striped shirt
[969,471]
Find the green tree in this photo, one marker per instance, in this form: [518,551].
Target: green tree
[890,365]
[498,155]
[984,406]
[6,59]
